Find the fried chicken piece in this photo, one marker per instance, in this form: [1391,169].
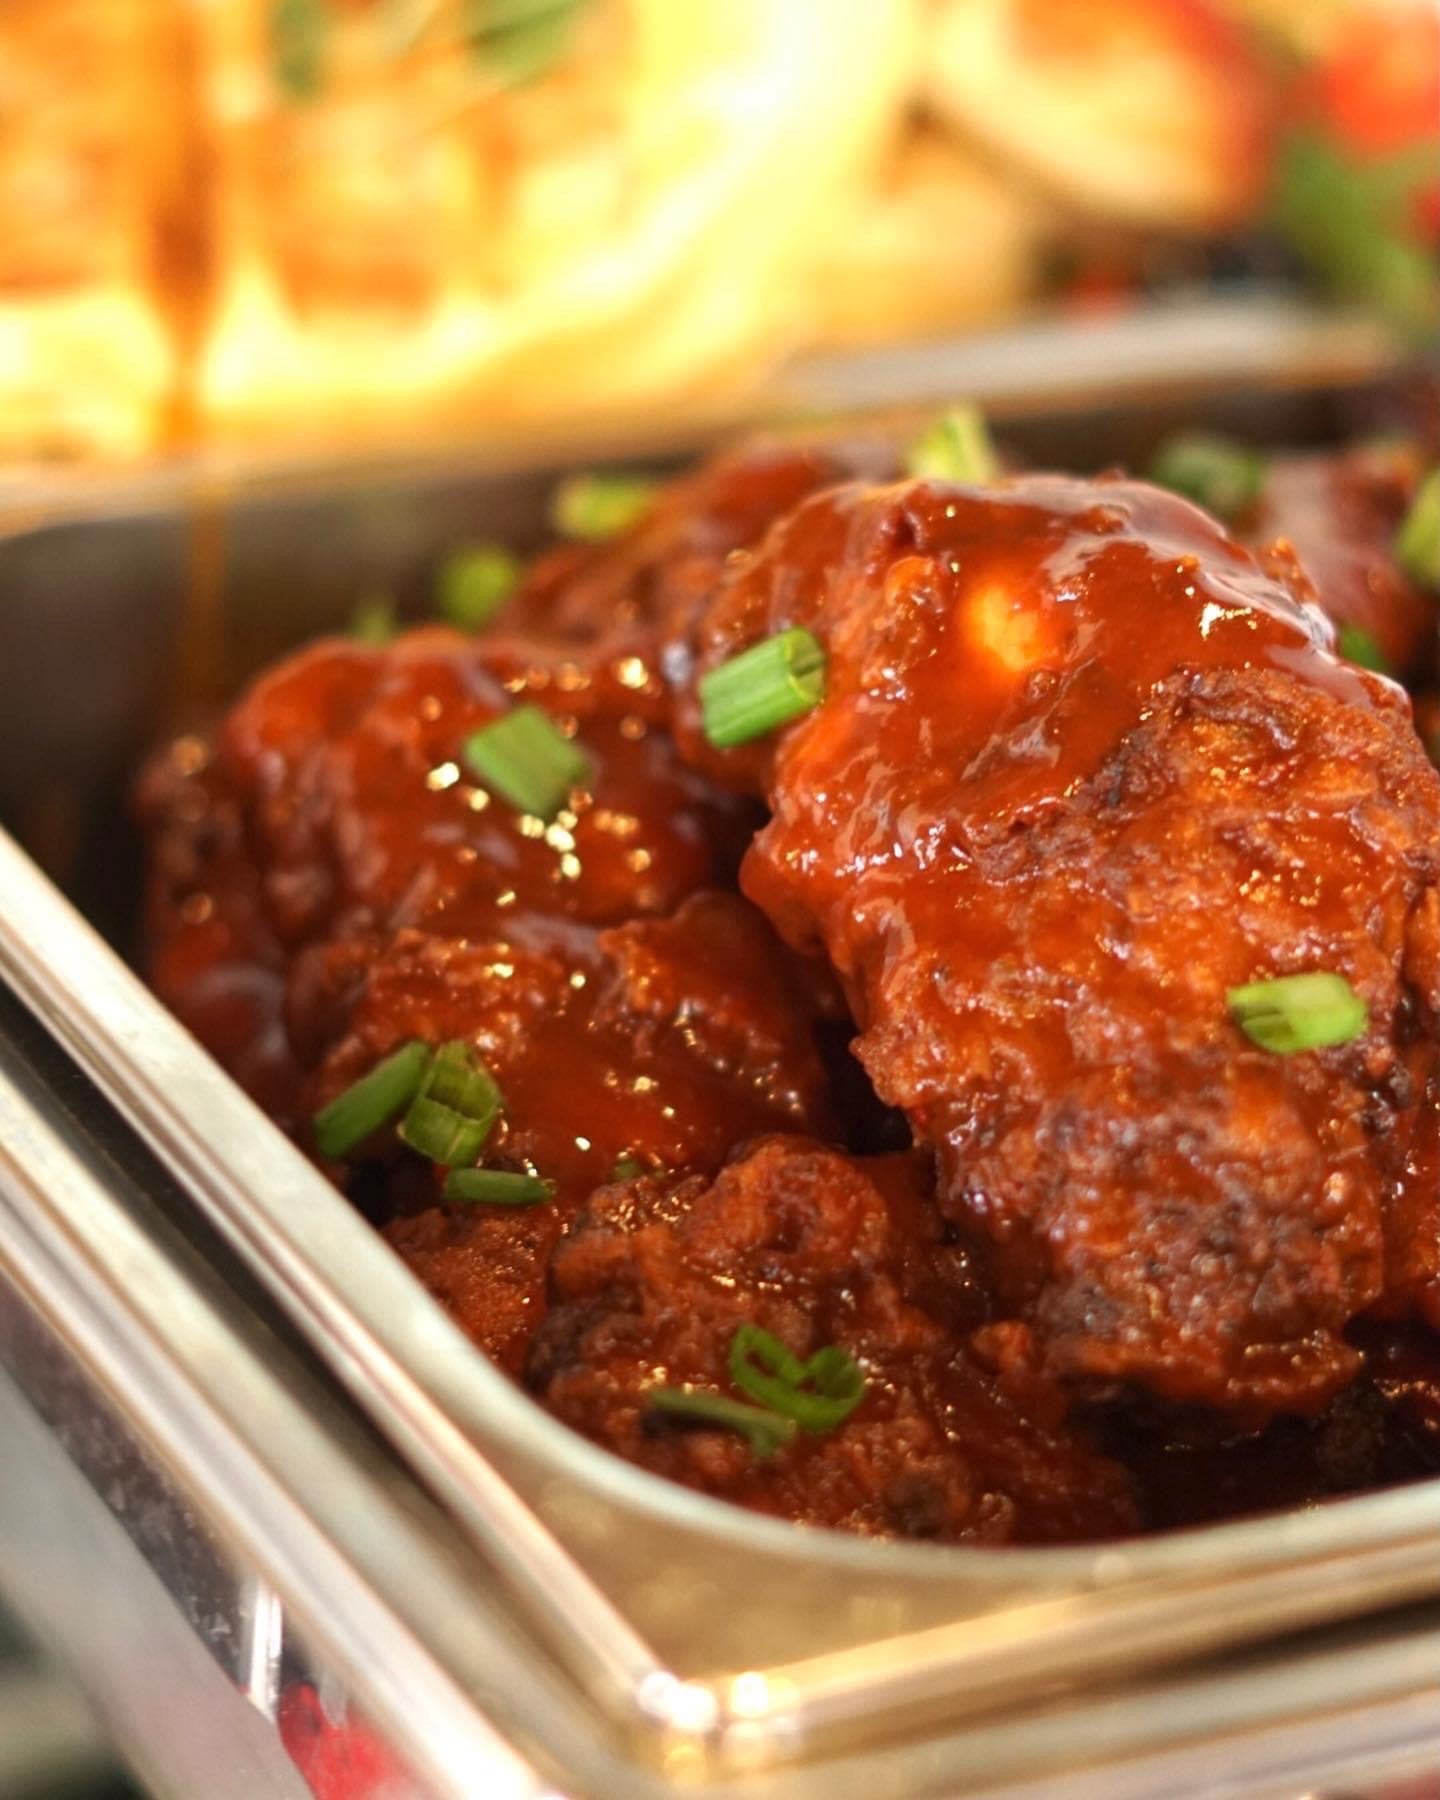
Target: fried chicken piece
[1081,768]
[622,1011]
[669,562]
[1338,513]
[817,1248]
[213,958]
[335,808]
[662,1042]
[349,764]
[1383,1428]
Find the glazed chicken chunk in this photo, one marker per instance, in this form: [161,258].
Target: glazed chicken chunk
[1082,769]
[330,882]
[818,1249]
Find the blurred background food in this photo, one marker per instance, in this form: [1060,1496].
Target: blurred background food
[303,222]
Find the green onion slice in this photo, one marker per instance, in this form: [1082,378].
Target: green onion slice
[1417,543]
[454,1108]
[817,1394]
[475,583]
[594,508]
[528,760]
[628,1168]
[1359,646]
[497,1187]
[766,686]
[956,447]
[1299,1012]
[767,1432]
[372,1101]
[1222,476]
[373,619]
[521,40]
[297,31]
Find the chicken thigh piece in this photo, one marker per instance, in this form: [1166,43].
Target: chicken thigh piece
[1081,769]
[818,1249]
[668,562]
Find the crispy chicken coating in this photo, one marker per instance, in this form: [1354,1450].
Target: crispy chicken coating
[661,1042]
[817,1248]
[1080,769]
[335,868]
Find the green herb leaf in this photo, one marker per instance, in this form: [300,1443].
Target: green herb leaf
[766,1432]
[1299,1012]
[475,583]
[1224,477]
[595,508]
[1417,543]
[956,447]
[297,30]
[528,760]
[372,1101]
[818,1394]
[766,686]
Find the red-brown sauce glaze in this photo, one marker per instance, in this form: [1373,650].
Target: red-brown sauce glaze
[1081,765]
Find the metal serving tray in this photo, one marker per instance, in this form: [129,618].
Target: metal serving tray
[699,1644]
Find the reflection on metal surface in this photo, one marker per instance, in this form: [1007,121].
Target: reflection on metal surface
[111,1337]
[69,1567]
[262,1645]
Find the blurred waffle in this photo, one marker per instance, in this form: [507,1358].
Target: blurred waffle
[87,123]
[402,223]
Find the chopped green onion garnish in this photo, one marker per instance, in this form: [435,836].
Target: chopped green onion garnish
[1299,1012]
[767,1431]
[628,1168]
[454,1109]
[596,507]
[297,43]
[1357,645]
[522,39]
[818,1394]
[1417,543]
[373,620]
[372,1101]
[528,760]
[765,686]
[475,583]
[1222,476]
[497,1187]
[956,447]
